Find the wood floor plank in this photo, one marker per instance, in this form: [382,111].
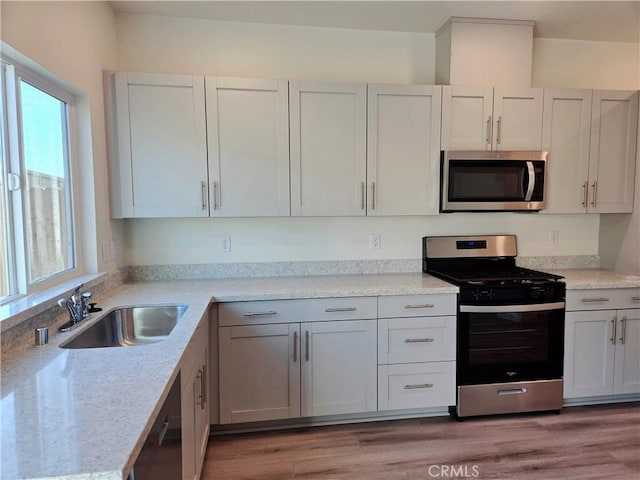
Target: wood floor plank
[596,442]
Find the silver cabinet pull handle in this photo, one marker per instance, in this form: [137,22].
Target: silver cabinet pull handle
[418,340]
[418,385]
[419,305]
[595,299]
[594,185]
[489,130]
[203,191]
[585,193]
[341,309]
[373,195]
[623,325]
[306,345]
[499,130]
[215,195]
[613,331]
[257,314]
[295,347]
[200,400]
[362,194]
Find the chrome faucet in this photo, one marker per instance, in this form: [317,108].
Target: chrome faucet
[77,306]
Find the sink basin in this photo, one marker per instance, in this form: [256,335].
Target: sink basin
[129,327]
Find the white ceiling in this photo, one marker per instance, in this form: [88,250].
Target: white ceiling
[615,21]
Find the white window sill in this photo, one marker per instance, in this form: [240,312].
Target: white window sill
[15,312]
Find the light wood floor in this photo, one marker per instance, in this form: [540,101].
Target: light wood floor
[595,442]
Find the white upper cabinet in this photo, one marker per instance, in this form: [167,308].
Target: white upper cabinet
[403,154]
[614,126]
[328,125]
[565,135]
[591,140]
[248,134]
[481,118]
[466,118]
[161,165]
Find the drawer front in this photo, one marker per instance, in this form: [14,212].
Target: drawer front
[414,340]
[417,385]
[394,306]
[299,310]
[603,299]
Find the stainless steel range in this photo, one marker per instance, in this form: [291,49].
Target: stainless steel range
[510,325]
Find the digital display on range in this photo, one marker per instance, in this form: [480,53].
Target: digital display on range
[471,244]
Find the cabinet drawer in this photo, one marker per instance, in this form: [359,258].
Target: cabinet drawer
[299,310]
[417,385]
[603,299]
[416,305]
[414,340]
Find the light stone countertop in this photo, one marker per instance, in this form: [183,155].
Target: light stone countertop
[592,278]
[84,414]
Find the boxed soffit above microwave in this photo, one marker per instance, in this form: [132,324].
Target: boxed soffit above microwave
[482,51]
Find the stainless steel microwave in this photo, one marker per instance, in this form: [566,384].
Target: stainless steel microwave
[482,181]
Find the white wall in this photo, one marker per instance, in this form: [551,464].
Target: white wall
[183,45]
[174,45]
[579,64]
[75,41]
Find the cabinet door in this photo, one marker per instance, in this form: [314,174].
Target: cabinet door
[248,134]
[339,367]
[188,431]
[403,154]
[565,135]
[416,385]
[201,389]
[162,146]
[517,119]
[589,353]
[627,369]
[328,125]
[614,126]
[467,118]
[259,373]
[417,339]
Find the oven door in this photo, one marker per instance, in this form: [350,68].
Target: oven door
[486,183]
[510,343]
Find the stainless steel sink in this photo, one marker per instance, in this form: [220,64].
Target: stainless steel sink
[129,327]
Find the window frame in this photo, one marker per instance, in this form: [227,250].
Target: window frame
[13,74]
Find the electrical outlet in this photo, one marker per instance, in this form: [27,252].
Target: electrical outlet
[554,237]
[225,244]
[374,241]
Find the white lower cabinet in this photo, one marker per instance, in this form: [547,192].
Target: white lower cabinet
[602,343]
[274,371]
[195,404]
[416,385]
[259,372]
[416,351]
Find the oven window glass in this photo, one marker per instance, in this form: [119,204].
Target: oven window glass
[497,347]
[508,338]
[489,181]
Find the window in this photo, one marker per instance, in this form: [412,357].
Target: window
[36,189]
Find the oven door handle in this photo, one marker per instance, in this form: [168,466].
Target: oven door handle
[538,307]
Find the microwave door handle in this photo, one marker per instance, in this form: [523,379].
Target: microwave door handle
[532,182]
